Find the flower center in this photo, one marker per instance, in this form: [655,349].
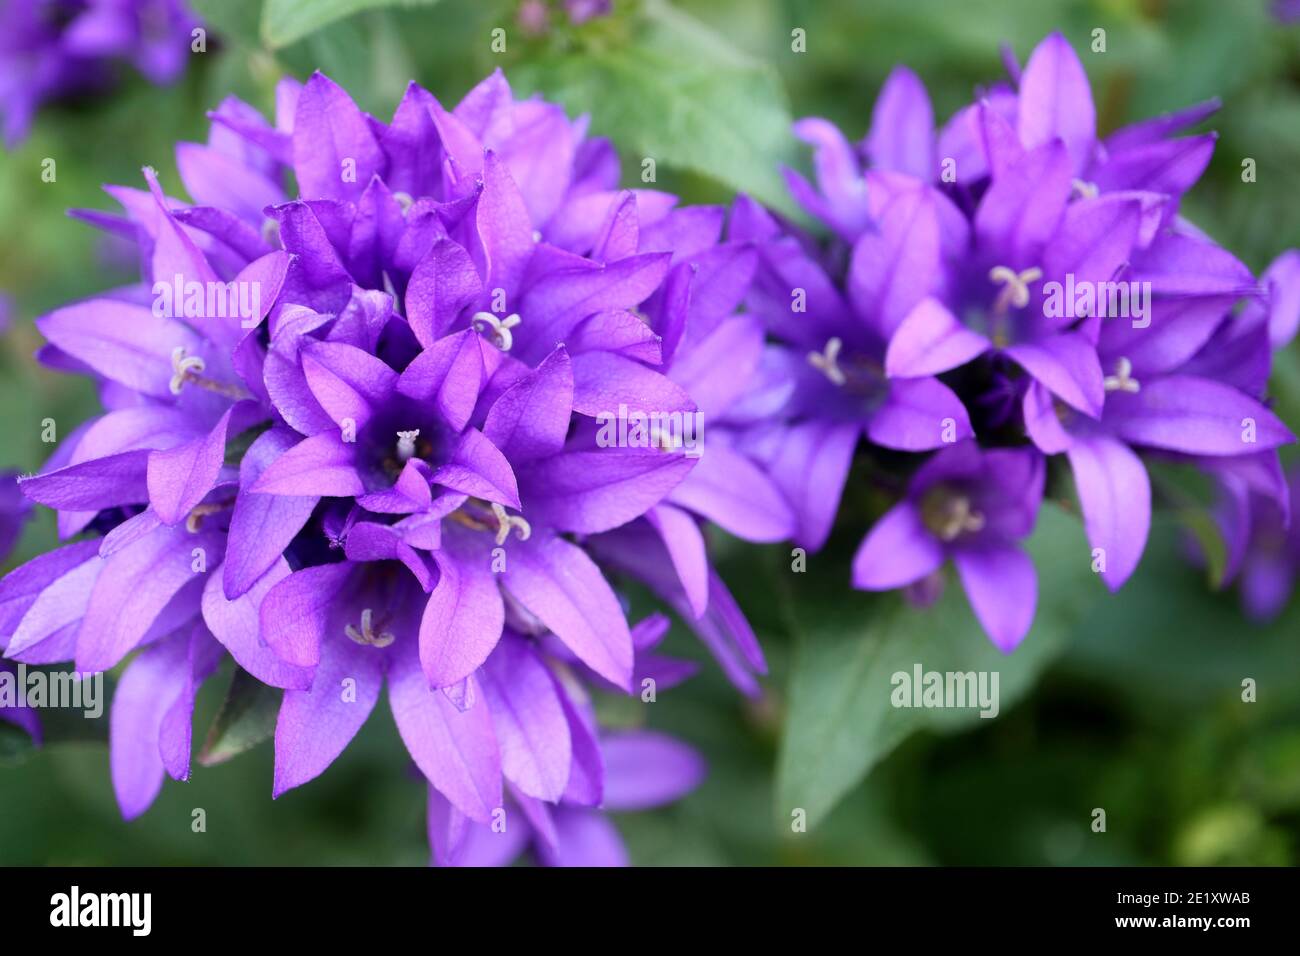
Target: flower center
[406,445]
[498,330]
[827,361]
[948,515]
[367,635]
[1122,380]
[1015,287]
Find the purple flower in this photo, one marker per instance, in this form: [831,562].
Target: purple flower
[365,438]
[1263,543]
[972,507]
[15,512]
[981,268]
[56,48]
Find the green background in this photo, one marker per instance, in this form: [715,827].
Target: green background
[1128,703]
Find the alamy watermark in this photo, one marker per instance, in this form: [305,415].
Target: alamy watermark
[24,687]
[669,431]
[208,300]
[1112,300]
[946,690]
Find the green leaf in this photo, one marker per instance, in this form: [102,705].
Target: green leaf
[681,95]
[247,717]
[286,21]
[840,720]
[231,19]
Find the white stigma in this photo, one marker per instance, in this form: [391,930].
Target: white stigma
[505,522]
[406,444]
[271,233]
[961,519]
[367,635]
[1084,189]
[827,361]
[1122,380]
[182,367]
[485,323]
[403,201]
[1015,286]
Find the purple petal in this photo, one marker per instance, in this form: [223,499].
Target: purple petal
[443,283]
[531,727]
[1056,101]
[456,750]
[302,611]
[646,769]
[1115,495]
[237,625]
[1067,364]
[918,414]
[929,341]
[261,526]
[463,619]
[1002,588]
[687,551]
[593,491]
[727,488]
[316,725]
[334,149]
[902,127]
[449,373]
[1194,415]
[134,587]
[897,551]
[531,418]
[322,465]
[563,588]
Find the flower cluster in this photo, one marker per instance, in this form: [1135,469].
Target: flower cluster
[372,431]
[1001,290]
[56,48]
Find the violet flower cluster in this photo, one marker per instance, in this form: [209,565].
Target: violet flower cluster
[1002,290]
[373,433]
[51,49]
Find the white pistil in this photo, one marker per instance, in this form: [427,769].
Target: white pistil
[960,519]
[1084,189]
[271,233]
[827,361]
[367,635]
[1122,380]
[403,201]
[505,522]
[183,366]
[485,323]
[1015,286]
[406,444]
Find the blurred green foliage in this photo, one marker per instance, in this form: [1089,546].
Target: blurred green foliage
[1129,703]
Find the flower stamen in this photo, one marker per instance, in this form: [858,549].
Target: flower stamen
[184,368]
[367,636]
[1122,380]
[1084,189]
[506,522]
[406,444]
[199,512]
[1015,286]
[827,361]
[485,323]
[189,368]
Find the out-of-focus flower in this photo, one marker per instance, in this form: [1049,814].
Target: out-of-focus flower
[56,48]
[1015,277]
[972,507]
